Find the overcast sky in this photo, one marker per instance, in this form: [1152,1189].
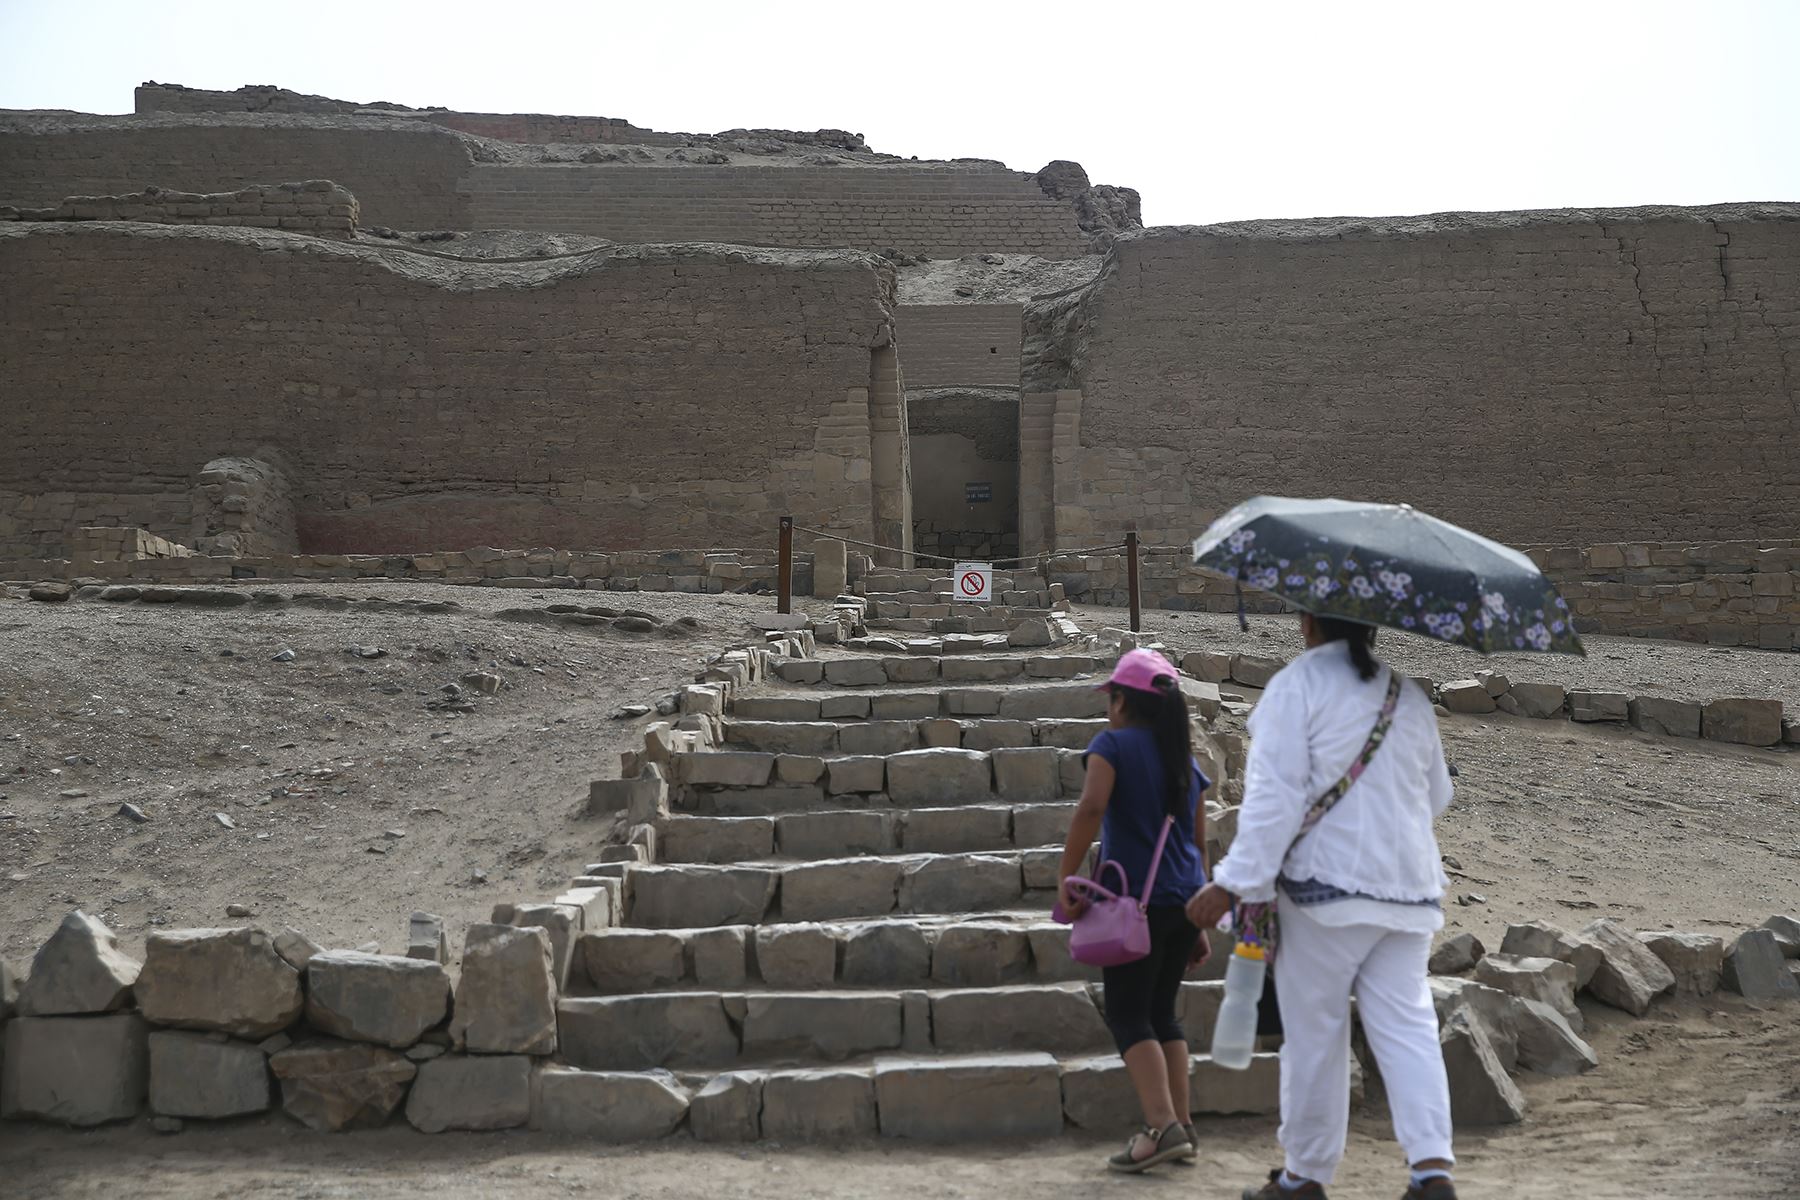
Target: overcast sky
[1213,111]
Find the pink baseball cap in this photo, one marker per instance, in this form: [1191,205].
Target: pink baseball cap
[1139,669]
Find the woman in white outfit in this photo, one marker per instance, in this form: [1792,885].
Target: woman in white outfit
[1358,897]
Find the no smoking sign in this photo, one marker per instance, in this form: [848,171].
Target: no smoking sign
[973,583]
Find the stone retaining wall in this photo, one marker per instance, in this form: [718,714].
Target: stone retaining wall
[316,206]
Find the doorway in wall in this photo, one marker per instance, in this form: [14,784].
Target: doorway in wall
[965,472]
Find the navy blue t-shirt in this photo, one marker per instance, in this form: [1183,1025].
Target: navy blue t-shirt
[1135,814]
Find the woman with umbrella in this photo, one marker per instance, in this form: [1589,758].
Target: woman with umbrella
[1349,876]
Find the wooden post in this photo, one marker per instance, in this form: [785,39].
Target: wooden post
[784,570]
[1131,580]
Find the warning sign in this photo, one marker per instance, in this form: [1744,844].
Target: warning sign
[974,583]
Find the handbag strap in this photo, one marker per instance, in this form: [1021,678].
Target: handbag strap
[1377,735]
[1156,861]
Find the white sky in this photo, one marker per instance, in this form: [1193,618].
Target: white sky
[1213,111]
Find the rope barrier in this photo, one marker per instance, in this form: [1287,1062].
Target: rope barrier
[1021,561]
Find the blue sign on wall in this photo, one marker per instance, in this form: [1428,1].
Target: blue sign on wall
[978,493]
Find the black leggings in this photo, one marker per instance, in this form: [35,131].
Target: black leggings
[1141,995]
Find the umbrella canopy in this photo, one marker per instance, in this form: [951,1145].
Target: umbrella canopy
[1389,564]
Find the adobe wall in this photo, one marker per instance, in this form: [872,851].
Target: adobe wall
[961,345]
[1622,375]
[939,210]
[624,397]
[406,175]
[961,438]
[315,206]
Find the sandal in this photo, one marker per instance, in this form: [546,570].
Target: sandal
[1193,1151]
[1272,1190]
[1169,1144]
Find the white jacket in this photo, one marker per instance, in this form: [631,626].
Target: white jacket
[1311,723]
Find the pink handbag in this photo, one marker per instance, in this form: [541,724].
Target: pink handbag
[1114,929]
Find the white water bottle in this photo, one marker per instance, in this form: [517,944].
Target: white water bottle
[1234,1031]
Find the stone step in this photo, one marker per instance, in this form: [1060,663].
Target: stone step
[834,832]
[934,581]
[883,952]
[882,608]
[864,672]
[1019,701]
[935,1098]
[694,894]
[638,1031]
[752,783]
[906,721]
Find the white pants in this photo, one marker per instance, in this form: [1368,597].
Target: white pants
[1317,969]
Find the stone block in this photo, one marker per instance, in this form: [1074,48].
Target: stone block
[631,960]
[1051,700]
[1072,770]
[808,670]
[972,702]
[980,954]
[840,888]
[855,672]
[910,670]
[327,1084]
[685,839]
[295,948]
[1745,722]
[643,797]
[1547,980]
[718,958]
[1050,961]
[561,923]
[80,969]
[1455,954]
[961,883]
[1755,969]
[796,956]
[1215,1090]
[1056,1018]
[1254,670]
[1542,701]
[980,670]
[607,1106]
[481,1091]
[1785,928]
[816,1105]
[995,734]
[1547,1043]
[1212,666]
[80,1070]
[886,954]
[989,1096]
[927,778]
[1467,696]
[878,737]
[1481,1093]
[382,998]
[831,569]
[1041,824]
[1599,706]
[685,897]
[775,708]
[857,774]
[1630,975]
[506,996]
[637,1033]
[1494,1010]
[1670,718]
[829,1025]
[799,768]
[834,834]
[728,1108]
[783,737]
[595,903]
[425,938]
[1071,735]
[1026,776]
[1695,959]
[229,980]
[903,706]
[196,1075]
[845,707]
[1539,939]
[955,830]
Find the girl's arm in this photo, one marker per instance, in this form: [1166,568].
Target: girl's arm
[1084,826]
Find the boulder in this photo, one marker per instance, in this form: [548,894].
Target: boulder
[1212,666]
[1746,722]
[1629,975]
[1481,1093]
[229,980]
[1547,980]
[1756,970]
[933,777]
[1494,1010]
[796,956]
[608,1106]
[728,1108]
[383,998]
[194,1075]
[1547,1043]
[638,1033]
[1457,953]
[473,1092]
[1539,939]
[1786,930]
[886,954]
[327,1084]
[988,1096]
[506,998]
[836,1102]
[1032,631]
[1254,670]
[1599,706]
[75,1070]
[1695,959]
[80,969]
[1670,718]
[1542,701]
[1467,696]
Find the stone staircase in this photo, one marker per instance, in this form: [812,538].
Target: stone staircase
[924,616]
[832,908]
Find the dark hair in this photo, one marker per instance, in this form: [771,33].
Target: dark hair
[1165,711]
[1360,637]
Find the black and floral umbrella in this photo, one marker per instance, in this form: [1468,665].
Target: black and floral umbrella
[1389,564]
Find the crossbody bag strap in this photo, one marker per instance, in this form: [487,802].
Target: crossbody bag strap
[1156,861]
[1377,735]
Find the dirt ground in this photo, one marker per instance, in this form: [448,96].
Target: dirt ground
[315,761]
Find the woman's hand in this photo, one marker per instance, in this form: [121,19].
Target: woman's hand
[1074,903]
[1208,905]
[1200,953]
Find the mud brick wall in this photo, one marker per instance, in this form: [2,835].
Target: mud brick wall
[114,545]
[629,397]
[42,524]
[961,345]
[404,173]
[245,506]
[316,206]
[941,211]
[1562,376]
